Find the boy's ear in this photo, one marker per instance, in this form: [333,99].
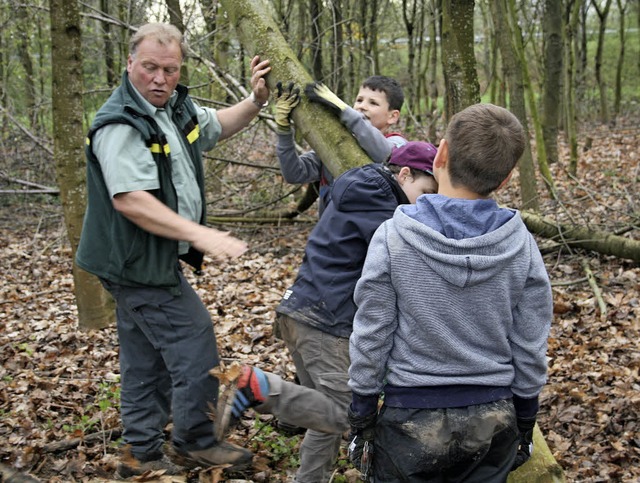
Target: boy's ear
[506,180]
[403,174]
[442,156]
[393,118]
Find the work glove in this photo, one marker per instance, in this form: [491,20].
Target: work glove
[318,92]
[525,447]
[286,100]
[361,442]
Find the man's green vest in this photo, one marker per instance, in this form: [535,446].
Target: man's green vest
[111,246]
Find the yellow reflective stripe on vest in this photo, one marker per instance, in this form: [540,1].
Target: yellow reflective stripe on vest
[194,134]
[155,148]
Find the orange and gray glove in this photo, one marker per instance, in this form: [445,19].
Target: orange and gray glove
[318,92]
[286,101]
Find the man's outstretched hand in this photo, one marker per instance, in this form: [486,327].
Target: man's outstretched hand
[219,244]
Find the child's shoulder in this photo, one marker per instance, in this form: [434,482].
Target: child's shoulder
[396,138]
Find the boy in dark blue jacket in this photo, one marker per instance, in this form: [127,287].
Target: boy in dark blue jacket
[316,313]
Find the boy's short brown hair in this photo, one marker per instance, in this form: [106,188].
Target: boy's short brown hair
[388,85]
[485,143]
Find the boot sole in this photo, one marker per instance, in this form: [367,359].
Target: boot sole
[190,463]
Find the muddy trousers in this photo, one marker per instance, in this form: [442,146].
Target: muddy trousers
[474,444]
[321,400]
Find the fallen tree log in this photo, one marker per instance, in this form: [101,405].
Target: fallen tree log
[582,237]
[541,468]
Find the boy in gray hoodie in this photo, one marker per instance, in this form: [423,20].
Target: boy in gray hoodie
[454,310]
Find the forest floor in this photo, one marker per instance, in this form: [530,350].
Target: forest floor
[59,418]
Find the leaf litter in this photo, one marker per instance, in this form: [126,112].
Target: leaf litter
[58,385]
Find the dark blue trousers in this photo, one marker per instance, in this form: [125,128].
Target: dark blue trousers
[167,347]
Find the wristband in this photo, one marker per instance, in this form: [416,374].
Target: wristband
[258,104]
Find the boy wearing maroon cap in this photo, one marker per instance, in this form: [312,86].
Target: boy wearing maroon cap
[454,310]
[316,313]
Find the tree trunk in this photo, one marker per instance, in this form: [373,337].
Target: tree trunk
[377,12]
[219,46]
[622,8]
[349,73]
[410,17]
[518,49]
[337,58]
[432,103]
[105,29]
[602,85]
[95,306]
[3,94]
[515,82]
[27,65]
[581,50]
[571,18]
[175,18]
[369,37]
[424,50]
[553,53]
[316,40]
[582,237]
[458,56]
[322,130]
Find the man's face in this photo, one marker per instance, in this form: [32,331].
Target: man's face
[375,107]
[154,70]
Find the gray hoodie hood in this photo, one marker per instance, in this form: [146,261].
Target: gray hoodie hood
[470,251]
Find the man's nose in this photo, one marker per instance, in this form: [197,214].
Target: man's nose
[159,77]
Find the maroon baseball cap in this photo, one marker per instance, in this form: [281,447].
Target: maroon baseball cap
[415,154]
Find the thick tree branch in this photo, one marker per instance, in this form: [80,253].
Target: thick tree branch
[581,237]
[259,34]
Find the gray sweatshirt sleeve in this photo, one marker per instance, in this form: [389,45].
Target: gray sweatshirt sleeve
[375,321]
[371,139]
[531,323]
[295,169]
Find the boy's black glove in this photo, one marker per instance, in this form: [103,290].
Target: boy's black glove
[286,100]
[318,92]
[525,448]
[361,441]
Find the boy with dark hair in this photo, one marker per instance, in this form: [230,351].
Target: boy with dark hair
[454,310]
[375,111]
[316,313]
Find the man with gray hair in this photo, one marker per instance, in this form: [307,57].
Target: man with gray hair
[146,212]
